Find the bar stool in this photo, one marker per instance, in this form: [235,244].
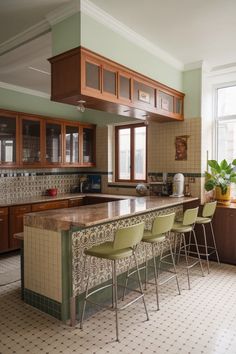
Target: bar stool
[186,226]
[124,246]
[160,232]
[206,218]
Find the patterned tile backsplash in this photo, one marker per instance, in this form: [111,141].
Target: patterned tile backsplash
[34,183]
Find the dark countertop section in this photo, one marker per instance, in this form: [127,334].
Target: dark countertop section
[90,215]
[39,199]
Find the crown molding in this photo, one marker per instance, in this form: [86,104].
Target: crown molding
[63,12]
[195,65]
[30,33]
[106,19]
[21,89]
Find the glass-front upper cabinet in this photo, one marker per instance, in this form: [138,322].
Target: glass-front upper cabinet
[72,144]
[53,142]
[88,155]
[8,139]
[31,141]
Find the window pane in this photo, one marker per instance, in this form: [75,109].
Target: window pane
[140,153]
[124,153]
[226,101]
[227,140]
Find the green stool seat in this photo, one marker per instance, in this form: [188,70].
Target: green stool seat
[208,212]
[124,246]
[201,220]
[184,227]
[160,232]
[106,250]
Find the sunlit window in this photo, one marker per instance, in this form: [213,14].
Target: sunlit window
[226,123]
[131,153]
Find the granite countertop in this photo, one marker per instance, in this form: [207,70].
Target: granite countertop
[89,215]
[44,198]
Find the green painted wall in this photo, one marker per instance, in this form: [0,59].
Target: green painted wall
[66,34]
[192,87]
[104,41]
[17,101]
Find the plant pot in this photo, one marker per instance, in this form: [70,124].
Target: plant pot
[223,198]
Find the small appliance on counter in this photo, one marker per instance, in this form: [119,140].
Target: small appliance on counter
[92,184]
[178,185]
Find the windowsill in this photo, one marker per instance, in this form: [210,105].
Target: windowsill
[124,184]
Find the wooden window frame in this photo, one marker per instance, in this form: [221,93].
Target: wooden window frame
[132,157]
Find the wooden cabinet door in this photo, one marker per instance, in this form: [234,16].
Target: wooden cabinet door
[88,144]
[75,202]
[9,139]
[59,204]
[16,220]
[31,146]
[53,132]
[4,243]
[224,224]
[71,144]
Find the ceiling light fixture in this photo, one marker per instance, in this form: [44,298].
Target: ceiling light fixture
[80,106]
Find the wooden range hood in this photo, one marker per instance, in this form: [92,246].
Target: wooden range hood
[104,85]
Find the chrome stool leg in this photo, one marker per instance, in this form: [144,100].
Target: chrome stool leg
[214,241]
[186,259]
[155,275]
[126,280]
[198,254]
[86,293]
[140,285]
[173,261]
[114,284]
[206,249]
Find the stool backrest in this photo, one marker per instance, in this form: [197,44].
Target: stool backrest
[209,209]
[190,216]
[128,236]
[163,224]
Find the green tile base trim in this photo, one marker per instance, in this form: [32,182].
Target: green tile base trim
[43,303]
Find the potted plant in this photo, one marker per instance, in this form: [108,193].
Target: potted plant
[220,178]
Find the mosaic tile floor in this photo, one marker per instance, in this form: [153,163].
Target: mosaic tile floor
[199,321]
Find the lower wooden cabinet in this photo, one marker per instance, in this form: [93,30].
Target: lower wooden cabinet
[224,224]
[16,223]
[4,241]
[59,204]
[75,202]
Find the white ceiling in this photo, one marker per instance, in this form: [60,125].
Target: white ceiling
[188,30]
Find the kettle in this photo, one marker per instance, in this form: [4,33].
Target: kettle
[178,185]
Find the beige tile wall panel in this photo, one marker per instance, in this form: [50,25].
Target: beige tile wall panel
[42,262]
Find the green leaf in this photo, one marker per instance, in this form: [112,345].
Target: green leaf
[224,165]
[209,185]
[234,162]
[233,179]
[214,165]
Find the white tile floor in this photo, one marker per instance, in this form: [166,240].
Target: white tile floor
[199,321]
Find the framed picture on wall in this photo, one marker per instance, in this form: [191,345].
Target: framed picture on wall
[181,147]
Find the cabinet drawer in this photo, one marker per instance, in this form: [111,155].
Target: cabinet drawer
[3,211]
[20,209]
[50,205]
[75,202]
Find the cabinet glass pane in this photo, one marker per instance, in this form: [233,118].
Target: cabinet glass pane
[166,102]
[53,143]
[88,145]
[93,76]
[124,153]
[178,106]
[144,93]
[72,144]
[7,139]
[140,153]
[109,81]
[124,87]
[31,141]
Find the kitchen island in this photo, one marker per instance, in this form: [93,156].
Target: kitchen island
[55,240]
